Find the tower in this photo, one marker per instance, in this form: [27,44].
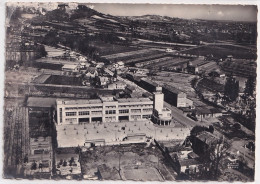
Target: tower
[158,98]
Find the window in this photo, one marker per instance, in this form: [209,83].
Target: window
[71,108]
[111,112]
[60,115]
[82,113]
[124,111]
[136,110]
[71,113]
[136,116]
[110,107]
[148,110]
[84,108]
[96,112]
[71,120]
[96,107]
[146,116]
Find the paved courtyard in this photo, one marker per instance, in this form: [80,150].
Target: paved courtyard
[115,132]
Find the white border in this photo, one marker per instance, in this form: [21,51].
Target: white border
[2,59]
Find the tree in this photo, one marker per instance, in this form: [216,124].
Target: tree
[211,129]
[250,86]
[196,130]
[214,156]
[231,89]
[115,74]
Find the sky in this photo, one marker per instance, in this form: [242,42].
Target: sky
[210,12]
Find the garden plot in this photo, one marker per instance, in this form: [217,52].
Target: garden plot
[126,54]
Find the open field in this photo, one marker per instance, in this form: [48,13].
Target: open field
[222,51]
[125,56]
[108,49]
[63,80]
[144,173]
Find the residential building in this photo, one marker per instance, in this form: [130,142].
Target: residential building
[70,68]
[117,85]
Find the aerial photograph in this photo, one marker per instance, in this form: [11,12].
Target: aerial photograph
[139,92]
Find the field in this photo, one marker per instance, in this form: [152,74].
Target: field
[63,80]
[166,62]
[107,48]
[141,173]
[16,136]
[126,56]
[223,51]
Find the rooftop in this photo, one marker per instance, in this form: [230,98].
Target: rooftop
[207,137]
[78,101]
[70,66]
[172,89]
[188,162]
[122,100]
[41,102]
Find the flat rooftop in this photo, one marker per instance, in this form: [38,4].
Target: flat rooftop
[78,101]
[41,102]
[122,100]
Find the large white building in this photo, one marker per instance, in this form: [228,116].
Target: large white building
[104,109]
[161,115]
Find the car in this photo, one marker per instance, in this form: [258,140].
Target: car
[192,117]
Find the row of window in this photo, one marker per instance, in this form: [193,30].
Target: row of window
[148,110]
[141,105]
[111,107]
[110,112]
[136,110]
[89,107]
[124,111]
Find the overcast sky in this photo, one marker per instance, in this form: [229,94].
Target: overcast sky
[215,12]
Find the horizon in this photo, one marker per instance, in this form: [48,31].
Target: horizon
[243,13]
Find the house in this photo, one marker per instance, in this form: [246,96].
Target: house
[207,112]
[192,69]
[229,58]
[70,68]
[188,166]
[117,85]
[99,65]
[202,142]
[91,72]
[119,64]
[168,50]
[103,80]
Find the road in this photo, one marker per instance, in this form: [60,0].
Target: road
[177,114]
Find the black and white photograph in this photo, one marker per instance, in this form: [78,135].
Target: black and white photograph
[129,92]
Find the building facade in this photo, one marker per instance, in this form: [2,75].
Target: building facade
[161,115]
[104,109]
